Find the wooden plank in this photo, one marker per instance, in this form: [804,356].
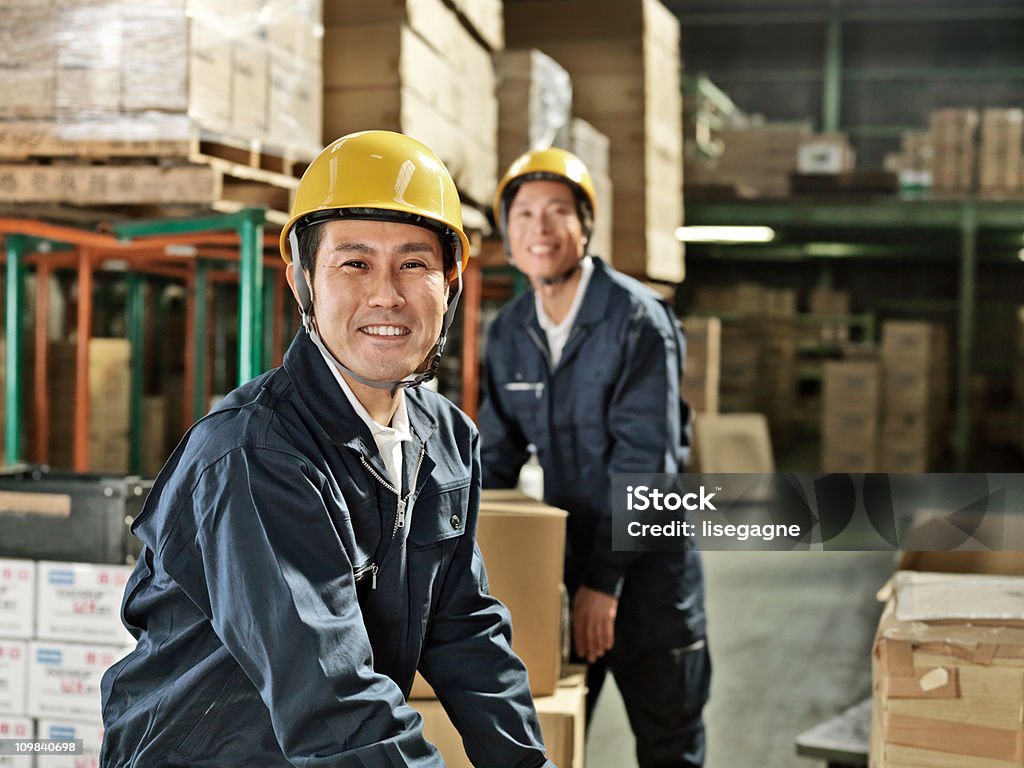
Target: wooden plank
[107,184]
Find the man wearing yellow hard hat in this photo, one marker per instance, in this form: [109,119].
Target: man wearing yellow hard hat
[584,370]
[311,541]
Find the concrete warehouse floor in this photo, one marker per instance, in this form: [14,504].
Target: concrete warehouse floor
[790,636]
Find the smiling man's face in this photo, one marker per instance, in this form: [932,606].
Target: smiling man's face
[379,295]
[545,233]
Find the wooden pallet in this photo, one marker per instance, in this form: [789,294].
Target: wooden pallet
[69,165]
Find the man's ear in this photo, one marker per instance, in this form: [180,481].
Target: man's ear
[289,274]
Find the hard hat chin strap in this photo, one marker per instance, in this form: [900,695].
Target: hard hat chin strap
[305,298]
[562,278]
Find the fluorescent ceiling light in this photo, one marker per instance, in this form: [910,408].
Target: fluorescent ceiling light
[725,234]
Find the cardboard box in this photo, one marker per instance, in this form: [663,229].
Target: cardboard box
[531,588]
[91,735]
[64,679]
[13,676]
[209,75]
[946,671]
[81,602]
[732,442]
[702,373]
[561,718]
[534,103]
[17,598]
[17,728]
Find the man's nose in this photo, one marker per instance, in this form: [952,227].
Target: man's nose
[385,289]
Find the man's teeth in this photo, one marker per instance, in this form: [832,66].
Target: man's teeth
[541,250]
[385,330]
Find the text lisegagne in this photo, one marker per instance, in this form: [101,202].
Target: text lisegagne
[708,529]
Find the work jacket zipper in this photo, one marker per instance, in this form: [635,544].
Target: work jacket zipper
[402,503]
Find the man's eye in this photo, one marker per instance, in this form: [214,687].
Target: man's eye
[413,265]
[354,263]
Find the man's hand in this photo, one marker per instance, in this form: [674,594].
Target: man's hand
[593,623]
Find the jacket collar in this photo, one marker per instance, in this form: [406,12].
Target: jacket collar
[333,413]
[593,311]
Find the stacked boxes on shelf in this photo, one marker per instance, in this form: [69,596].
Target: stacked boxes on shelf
[756,160]
[162,71]
[199,103]
[703,363]
[851,397]
[1001,167]
[511,523]
[109,393]
[534,102]
[954,159]
[631,93]
[594,149]
[415,66]
[59,631]
[915,395]
[946,672]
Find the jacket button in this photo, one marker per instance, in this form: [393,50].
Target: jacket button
[455,521]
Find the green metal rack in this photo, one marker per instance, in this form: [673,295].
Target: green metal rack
[142,245]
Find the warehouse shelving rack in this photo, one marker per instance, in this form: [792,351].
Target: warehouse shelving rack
[188,250]
[854,230]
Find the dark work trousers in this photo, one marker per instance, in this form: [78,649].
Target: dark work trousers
[664,690]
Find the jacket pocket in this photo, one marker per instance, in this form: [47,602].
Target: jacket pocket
[440,513]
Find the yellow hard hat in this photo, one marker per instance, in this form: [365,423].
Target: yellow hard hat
[554,163]
[380,170]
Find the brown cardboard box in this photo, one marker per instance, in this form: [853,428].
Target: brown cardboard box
[561,718]
[732,442]
[703,363]
[946,671]
[249,87]
[534,102]
[530,587]
[109,392]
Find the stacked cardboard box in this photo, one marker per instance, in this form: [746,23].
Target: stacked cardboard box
[703,363]
[831,307]
[534,102]
[485,18]
[946,672]
[561,717]
[248,71]
[510,524]
[631,93]
[780,339]
[852,393]
[59,632]
[741,369]
[414,66]
[594,149]
[915,395]
[954,160]
[825,153]
[1002,141]
[109,392]
[759,158]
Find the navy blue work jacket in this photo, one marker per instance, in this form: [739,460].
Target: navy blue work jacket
[611,405]
[282,607]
